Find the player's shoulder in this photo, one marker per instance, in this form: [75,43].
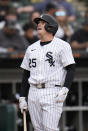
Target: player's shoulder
[34,45]
[61,43]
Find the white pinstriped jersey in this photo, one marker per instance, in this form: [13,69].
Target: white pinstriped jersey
[46,63]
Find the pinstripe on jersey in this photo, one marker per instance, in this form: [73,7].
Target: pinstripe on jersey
[46,63]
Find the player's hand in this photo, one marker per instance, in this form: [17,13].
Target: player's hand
[62,94]
[22,104]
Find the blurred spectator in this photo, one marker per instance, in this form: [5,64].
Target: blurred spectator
[69,9]
[4,6]
[34,15]
[30,33]
[41,6]
[28,8]
[86,14]
[65,30]
[12,17]
[10,39]
[79,39]
[51,8]
[68,6]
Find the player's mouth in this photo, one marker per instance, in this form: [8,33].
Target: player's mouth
[39,28]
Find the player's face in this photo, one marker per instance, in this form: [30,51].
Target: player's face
[40,28]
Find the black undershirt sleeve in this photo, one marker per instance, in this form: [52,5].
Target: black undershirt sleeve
[70,75]
[68,80]
[25,85]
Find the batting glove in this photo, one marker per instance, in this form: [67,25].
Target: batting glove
[22,104]
[61,96]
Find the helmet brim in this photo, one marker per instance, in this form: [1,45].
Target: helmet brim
[36,20]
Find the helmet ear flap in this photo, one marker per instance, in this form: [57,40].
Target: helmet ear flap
[48,28]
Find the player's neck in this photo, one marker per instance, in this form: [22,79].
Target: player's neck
[46,37]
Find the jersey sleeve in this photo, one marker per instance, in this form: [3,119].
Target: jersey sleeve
[66,55]
[25,62]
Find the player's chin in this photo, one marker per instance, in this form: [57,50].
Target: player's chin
[39,36]
[39,33]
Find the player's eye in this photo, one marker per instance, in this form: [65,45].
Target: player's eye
[41,22]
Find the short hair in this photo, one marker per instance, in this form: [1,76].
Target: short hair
[28,26]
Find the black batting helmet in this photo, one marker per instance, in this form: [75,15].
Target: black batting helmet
[51,25]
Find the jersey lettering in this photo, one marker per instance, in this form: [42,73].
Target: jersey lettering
[32,62]
[50,59]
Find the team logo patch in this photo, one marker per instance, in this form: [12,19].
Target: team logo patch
[41,16]
[50,59]
[33,49]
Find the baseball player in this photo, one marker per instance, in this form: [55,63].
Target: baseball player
[49,69]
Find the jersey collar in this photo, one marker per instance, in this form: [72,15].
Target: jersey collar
[44,43]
